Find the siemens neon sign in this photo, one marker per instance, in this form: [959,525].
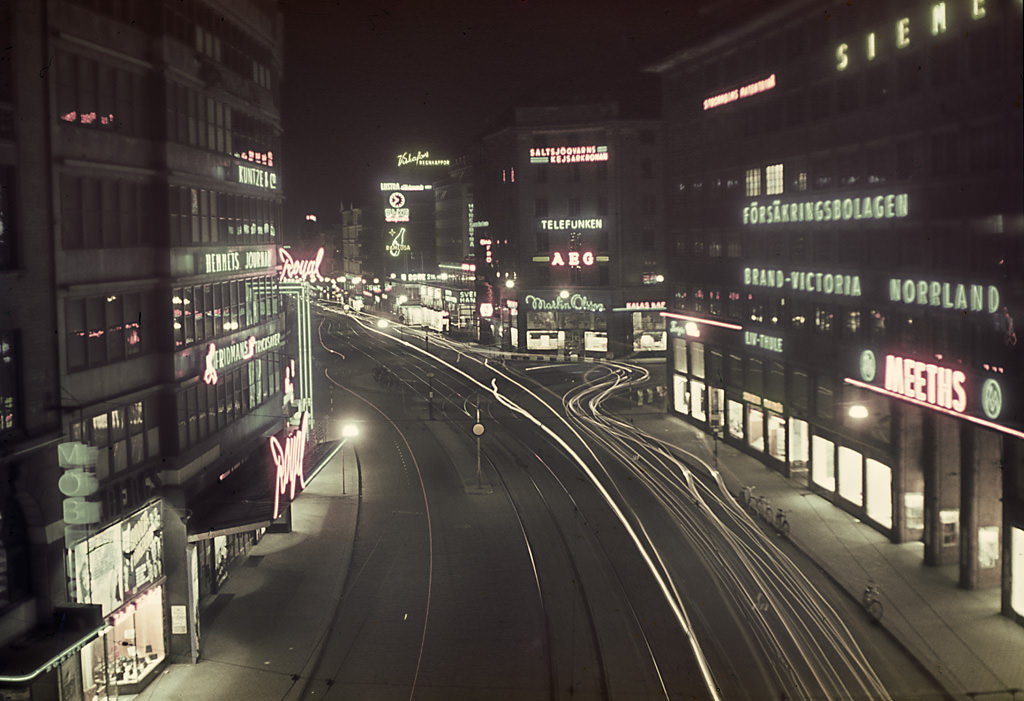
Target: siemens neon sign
[569,154]
[899,32]
[892,206]
[748,90]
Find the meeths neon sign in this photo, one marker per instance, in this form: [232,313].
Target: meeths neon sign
[738,93]
[300,269]
[569,154]
[926,382]
[288,461]
[891,206]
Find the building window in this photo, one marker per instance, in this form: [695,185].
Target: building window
[540,207]
[574,206]
[945,153]
[648,204]
[8,381]
[6,219]
[103,329]
[753,182]
[646,169]
[773,181]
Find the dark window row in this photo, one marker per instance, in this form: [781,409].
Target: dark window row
[199,216]
[206,312]
[107,328]
[126,434]
[98,95]
[106,212]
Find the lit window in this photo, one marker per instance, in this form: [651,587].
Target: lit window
[753,182]
[773,179]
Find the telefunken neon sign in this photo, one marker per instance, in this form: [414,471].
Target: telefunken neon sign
[288,460]
[300,269]
[846,209]
[738,93]
[901,32]
[219,358]
[569,154]
[558,224]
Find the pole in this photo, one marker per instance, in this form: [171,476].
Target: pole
[478,479]
[342,468]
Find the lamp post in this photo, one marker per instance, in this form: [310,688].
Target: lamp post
[347,431]
[430,394]
[478,430]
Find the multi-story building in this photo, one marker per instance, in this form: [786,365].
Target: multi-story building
[570,258]
[139,253]
[847,262]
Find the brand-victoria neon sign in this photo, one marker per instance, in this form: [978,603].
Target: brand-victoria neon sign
[288,460]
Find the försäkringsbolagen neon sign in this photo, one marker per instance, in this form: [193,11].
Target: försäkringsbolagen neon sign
[891,206]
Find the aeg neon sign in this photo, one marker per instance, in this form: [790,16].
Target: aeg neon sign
[300,269]
[572,258]
[288,461]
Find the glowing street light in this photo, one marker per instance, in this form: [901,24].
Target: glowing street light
[382,323]
[858,411]
[564,294]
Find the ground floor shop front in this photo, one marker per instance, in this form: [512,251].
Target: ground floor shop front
[910,472]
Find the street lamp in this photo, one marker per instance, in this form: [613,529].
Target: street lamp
[430,394]
[347,431]
[478,430]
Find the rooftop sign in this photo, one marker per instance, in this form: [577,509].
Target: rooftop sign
[891,206]
[422,158]
[738,93]
[568,154]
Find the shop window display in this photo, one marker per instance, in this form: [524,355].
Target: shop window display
[1017,568]
[799,444]
[823,463]
[735,414]
[118,661]
[878,492]
[851,475]
[698,400]
[680,394]
[755,429]
[777,437]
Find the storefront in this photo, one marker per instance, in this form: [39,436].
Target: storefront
[121,569]
[573,322]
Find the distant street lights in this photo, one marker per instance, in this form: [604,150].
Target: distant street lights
[430,394]
[348,431]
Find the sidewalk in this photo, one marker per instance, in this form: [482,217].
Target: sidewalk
[958,635]
[264,627]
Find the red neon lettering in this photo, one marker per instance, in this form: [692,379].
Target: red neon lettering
[301,269]
[210,374]
[288,461]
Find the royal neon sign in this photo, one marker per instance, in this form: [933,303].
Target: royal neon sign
[738,93]
[300,269]
[288,460]
[569,154]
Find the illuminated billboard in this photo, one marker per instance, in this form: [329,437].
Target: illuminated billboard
[569,154]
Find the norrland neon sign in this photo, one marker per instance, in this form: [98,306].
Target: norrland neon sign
[300,269]
[945,295]
[891,206]
[288,461]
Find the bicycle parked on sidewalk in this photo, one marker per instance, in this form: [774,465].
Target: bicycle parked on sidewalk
[871,601]
[781,523]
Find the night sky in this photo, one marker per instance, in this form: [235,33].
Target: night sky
[365,81]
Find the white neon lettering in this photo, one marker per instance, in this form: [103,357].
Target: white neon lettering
[300,269]
[288,462]
[903,33]
[841,56]
[959,394]
[210,374]
[938,18]
[926,383]
[556,259]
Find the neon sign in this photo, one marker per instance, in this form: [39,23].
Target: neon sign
[569,154]
[398,244]
[247,175]
[646,304]
[763,341]
[231,261]
[944,294]
[558,224]
[422,158]
[396,199]
[396,214]
[850,208]
[738,93]
[300,269]
[387,187]
[88,118]
[801,281]
[926,382]
[219,358]
[901,32]
[575,303]
[288,461]
[575,258]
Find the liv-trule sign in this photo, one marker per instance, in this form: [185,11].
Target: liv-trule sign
[890,206]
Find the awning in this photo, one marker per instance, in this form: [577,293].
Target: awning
[244,500]
[74,626]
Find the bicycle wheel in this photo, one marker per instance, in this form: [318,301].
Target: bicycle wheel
[783,527]
[875,609]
